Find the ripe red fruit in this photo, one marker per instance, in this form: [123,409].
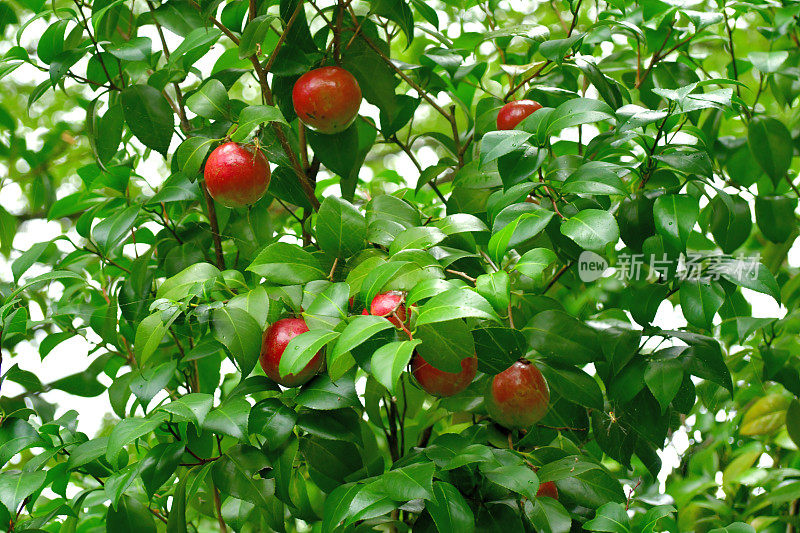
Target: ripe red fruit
[327,99]
[388,304]
[518,396]
[440,383]
[236,175]
[515,112]
[276,338]
[549,489]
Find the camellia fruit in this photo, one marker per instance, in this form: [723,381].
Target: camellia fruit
[236,175]
[440,383]
[518,396]
[327,99]
[274,343]
[389,304]
[549,489]
[515,112]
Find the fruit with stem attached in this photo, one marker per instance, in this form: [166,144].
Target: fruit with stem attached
[515,112]
[236,175]
[390,305]
[518,396]
[327,99]
[440,383]
[275,340]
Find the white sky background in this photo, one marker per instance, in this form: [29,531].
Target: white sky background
[71,355]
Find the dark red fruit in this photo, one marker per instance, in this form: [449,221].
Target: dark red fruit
[518,396]
[327,99]
[276,338]
[440,383]
[236,175]
[548,489]
[389,304]
[513,113]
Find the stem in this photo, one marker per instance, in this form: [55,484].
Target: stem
[217,506]
[557,276]
[456,142]
[96,46]
[212,220]
[731,50]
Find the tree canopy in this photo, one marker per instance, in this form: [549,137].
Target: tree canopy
[633,239]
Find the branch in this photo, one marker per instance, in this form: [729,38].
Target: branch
[212,220]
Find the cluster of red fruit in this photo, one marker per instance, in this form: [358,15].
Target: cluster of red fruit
[516,397]
[326,99]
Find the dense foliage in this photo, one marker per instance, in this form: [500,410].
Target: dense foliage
[665,147]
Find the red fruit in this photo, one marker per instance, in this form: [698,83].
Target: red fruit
[327,99]
[236,175]
[276,338]
[440,383]
[518,396]
[513,113]
[389,304]
[548,488]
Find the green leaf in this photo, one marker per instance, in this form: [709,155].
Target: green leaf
[241,334]
[497,348]
[534,262]
[496,144]
[700,301]
[389,361]
[460,223]
[149,335]
[771,145]
[675,216]
[496,288]
[148,116]
[449,510]
[410,482]
[574,384]
[397,11]
[793,421]
[768,62]
[594,178]
[210,100]
[28,258]
[341,230]
[147,382]
[16,486]
[127,431]
[302,349]
[766,415]
[455,303]
[130,516]
[235,474]
[321,393]
[664,378]
[420,238]
[610,517]
[273,420]
[159,465]
[578,111]
[355,333]
[187,281]
[111,231]
[548,516]
[230,418]
[514,225]
[192,407]
[730,221]
[287,264]
[563,338]
[591,229]
[749,273]
[555,49]
[570,466]
[191,153]
[518,478]
[254,34]
[253,116]
[775,217]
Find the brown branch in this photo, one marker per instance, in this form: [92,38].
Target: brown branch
[283,36]
[558,275]
[212,220]
[218,508]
